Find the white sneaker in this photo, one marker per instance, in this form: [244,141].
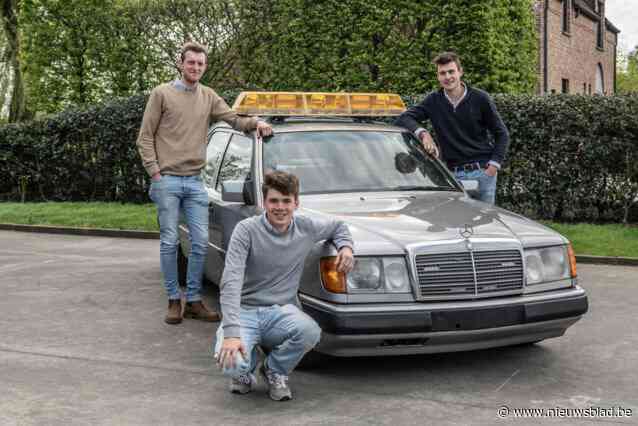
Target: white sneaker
[278,388]
[242,384]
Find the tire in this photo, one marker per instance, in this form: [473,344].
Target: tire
[182,267]
[527,344]
[311,360]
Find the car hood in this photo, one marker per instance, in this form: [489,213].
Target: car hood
[389,221]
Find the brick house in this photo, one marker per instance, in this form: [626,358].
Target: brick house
[577,47]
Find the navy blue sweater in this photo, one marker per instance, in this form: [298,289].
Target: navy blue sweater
[462,133]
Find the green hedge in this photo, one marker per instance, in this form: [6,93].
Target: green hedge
[571,158]
[75,155]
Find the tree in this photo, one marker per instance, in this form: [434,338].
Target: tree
[627,78]
[5,77]
[212,23]
[11,80]
[380,45]
[66,43]
[84,51]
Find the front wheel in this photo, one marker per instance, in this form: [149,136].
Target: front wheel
[527,344]
[312,359]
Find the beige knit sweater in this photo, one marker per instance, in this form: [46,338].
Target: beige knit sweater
[172,138]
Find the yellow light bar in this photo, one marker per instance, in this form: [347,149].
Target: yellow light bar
[318,104]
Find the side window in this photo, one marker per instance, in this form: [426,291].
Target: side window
[236,164]
[214,154]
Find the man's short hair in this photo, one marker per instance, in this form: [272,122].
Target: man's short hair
[192,47]
[286,183]
[447,57]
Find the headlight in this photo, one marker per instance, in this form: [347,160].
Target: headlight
[396,275]
[379,275]
[547,264]
[366,274]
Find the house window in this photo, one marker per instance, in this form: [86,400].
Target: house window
[566,15]
[600,81]
[564,85]
[584,88]
[589,89]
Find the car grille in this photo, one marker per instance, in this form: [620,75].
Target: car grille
[453,274]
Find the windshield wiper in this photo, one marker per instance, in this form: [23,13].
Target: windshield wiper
[423,188]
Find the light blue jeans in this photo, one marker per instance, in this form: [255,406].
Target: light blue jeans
[285,331]
[186,195]
[487,184]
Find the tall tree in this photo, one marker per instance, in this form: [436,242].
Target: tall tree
[13,80]
[83,51]
[628,72]
[5,77]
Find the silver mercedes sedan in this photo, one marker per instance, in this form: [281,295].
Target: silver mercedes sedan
[436,270]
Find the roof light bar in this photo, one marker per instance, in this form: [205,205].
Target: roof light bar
[319,104]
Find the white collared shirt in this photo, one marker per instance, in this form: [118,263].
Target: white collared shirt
[455,104]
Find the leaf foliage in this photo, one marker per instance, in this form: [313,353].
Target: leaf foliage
[571,158]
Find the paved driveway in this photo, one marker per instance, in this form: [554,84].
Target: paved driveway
[82,341]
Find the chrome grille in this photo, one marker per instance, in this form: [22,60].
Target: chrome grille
[452,274]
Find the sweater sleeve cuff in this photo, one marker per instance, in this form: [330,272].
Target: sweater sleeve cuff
[152,169]
[418,132]
[345,244]
[232,331]
[495,164]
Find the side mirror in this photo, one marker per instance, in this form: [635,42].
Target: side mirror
[238,191]
[472,188]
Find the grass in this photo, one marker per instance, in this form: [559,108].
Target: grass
[598,240]
[83,215]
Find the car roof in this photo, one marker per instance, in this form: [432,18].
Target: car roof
[313,124]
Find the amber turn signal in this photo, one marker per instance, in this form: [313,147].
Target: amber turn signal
[572,261]
[332,280]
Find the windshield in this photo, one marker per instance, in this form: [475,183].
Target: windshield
[354,161]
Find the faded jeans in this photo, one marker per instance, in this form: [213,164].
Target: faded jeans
[174,195]
[487,184]
[285,331]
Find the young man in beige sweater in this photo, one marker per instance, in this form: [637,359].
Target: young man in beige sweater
[172,144]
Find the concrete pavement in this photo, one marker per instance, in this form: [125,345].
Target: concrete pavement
[82,341]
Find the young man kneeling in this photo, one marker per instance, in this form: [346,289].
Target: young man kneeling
[259,286]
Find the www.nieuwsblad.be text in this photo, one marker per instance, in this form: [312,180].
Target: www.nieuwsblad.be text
[561,412]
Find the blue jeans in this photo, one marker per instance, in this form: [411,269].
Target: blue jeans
[185,194]
[285,331]
[487,184]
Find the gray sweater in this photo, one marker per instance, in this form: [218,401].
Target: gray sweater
[263,266]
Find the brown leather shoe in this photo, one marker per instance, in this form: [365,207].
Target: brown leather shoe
[174,315]
[197,310]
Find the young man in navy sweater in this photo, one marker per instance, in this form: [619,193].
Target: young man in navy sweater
[462,118]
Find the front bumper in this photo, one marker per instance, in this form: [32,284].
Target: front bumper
[411,328]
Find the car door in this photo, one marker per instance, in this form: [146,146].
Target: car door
[217,143]
[237,165]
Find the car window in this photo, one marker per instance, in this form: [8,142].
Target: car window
[349,161]
[236,164]
[214,152]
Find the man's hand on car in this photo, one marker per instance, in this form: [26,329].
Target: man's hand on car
[345,260]
[263,129]
[428,144]
[491,170]
[156,177]
[228,352]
